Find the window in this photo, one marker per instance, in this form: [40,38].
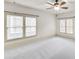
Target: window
[69,25]
[66,26]
[14,27]
[30,26]
[62,25]
[20,26]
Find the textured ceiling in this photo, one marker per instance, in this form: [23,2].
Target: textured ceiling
[41,5]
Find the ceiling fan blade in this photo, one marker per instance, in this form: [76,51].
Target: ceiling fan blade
[56,4]
[62,3]
[50,3]
[64,7]
[48,8]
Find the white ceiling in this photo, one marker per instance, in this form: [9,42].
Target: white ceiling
[41,5]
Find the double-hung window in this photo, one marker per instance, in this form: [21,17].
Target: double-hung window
[14,27]
[62,25]
[67,26]
[30,26]
[20,26]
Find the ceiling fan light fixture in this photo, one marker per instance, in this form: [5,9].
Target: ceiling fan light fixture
[56,8]
[57,5]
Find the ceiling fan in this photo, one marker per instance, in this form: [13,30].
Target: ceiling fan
[56,5]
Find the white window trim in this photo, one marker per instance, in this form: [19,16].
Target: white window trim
[66,26]
[18,14]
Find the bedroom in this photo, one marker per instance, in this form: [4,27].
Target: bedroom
[42,29]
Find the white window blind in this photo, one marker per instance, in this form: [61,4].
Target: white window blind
[18,26]
[30,26]
[14,27]
[67,26]
[62,25]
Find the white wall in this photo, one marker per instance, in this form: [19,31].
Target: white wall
[46,23]
[67,15]
[71,14]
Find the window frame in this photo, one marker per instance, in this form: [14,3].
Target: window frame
[30,27]
[60,26]
[17,14]
[70,26]
[73,18]
[16,26]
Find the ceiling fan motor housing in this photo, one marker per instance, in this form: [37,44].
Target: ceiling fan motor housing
[56,0]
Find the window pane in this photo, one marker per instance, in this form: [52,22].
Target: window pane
[30,26]
[33,29]
[70,29]
[14,21]
[69,26]
[30,31]
[62,25]
[30,34]
[62,30]
[13,33]
[14,27]
[69,22]
[30,21]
